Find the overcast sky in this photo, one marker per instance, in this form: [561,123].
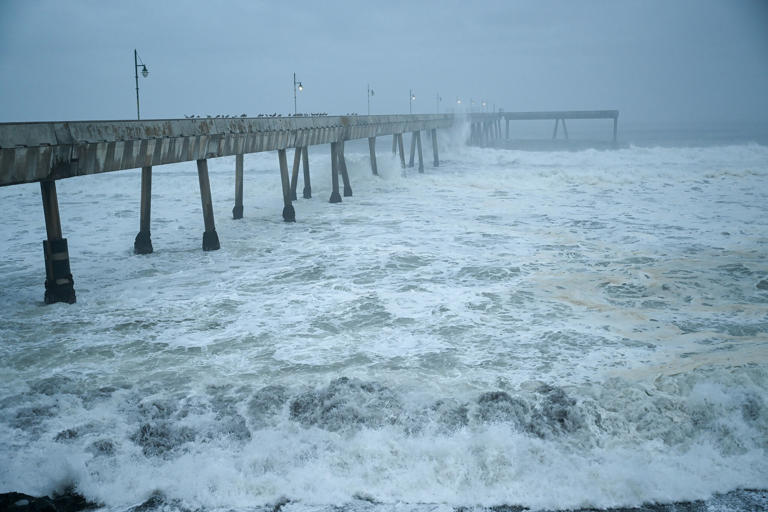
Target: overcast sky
[661,61]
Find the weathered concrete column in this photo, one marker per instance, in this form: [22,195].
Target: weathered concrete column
[372,150]
[295,172]
[418,147]
[289,214]
[143,242]
[413,149]
[436,161]
[554,133]
[565,130]
[400,147]
[237,211]
[307,184]
[210,237]
[59,285]
[615,128]
[507,132]
[335,196]
[394,143]
[343,169]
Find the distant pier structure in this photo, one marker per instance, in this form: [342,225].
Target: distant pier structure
[51,151]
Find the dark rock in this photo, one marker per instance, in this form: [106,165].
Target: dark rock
[68,501]
[499,406]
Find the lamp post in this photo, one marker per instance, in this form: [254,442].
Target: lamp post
[370,93]
[411,98]
[300,87]
[144,73]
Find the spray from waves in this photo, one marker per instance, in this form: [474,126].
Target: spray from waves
[618,444]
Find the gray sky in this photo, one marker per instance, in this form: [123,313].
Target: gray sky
[667,61]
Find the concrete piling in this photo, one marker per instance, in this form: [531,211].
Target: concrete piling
[295,172]
[210,237]
[335,196]
[143,242]
[554,133]
[394,143]
[59,285]
[237,211]
[372,150]
[413,149]
[289,214]
[418,148]
[343,169]
[400,147]
[436,161]
[307,185]
[565,129]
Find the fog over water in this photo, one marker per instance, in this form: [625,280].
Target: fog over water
[574,326]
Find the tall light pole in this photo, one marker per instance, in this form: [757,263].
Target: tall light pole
[370,93]
[144,73]
[411,98]
[300,87]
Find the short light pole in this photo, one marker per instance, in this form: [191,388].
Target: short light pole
[438,100]
[296,85]
[370,93]
[411,98]
[144,73]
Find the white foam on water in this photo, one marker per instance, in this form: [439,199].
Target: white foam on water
[609,299]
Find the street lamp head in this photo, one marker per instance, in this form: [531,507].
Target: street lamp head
[458,101]
[144,71]
[413,96]
[301,86]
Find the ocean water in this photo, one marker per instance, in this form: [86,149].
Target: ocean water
[548,329]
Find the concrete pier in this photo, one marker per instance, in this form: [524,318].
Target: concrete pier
[307,185]
[413,149]
[343,169]
[335,196]
[46,151]
[237,211]
[59,285]
[210,237]
[372,151]
[289,214]
[143,242]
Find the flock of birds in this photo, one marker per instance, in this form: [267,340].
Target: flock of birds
[227,116]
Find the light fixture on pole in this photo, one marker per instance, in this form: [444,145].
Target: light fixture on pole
[484,104]
[439,99]
[296,85]
[370,93]
[144,73]
[458,100]
[411,98]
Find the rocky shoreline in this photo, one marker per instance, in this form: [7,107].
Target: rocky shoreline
[741,500]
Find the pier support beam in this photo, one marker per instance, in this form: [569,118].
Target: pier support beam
[289,214]
[413,149]
[436,162]
[565,129]
[554,133]
[210,237]
[307,185]
[59,285]
[400,147]
[335,196]
[343,169]
[394,143]
[237,211]
[615,127]
[295,172]
[372,150]
[143,242]
[507,132]
[418,148]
